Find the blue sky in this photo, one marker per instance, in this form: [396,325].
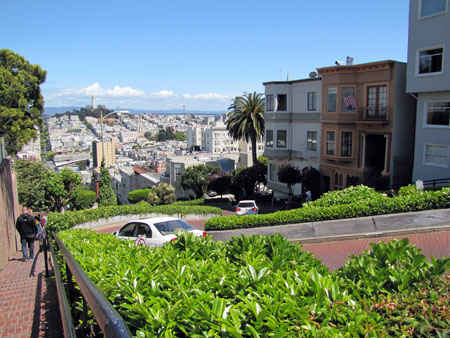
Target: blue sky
[166,54]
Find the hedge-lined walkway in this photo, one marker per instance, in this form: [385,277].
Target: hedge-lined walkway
[28,300]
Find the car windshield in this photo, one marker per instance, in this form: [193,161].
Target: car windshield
[246,205]
[171,227]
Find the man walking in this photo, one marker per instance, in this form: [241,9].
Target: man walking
[27,228]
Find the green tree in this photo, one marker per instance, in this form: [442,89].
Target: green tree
[50,155]
[290,175]
[21,101]
[82,199]
[248,179]
[221,185]
[30,184]
[107,196]
[311,181]
[246,119]
[196,179]
[161,194]
[263,160]
[179,136]
[59,187]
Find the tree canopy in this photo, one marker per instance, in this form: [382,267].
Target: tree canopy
[196,178]
[21,101]
[107,196]
[246,120]
[290,175]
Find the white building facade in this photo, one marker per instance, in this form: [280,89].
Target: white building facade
[428,79]
[292,128]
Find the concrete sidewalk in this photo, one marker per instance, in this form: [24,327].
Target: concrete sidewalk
[402,223]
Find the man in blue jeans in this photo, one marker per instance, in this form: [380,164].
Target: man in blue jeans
[27,228]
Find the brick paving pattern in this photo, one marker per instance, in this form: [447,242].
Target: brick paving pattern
[28,300]
[334,253]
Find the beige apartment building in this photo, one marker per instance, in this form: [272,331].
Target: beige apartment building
[110,153]
[367,125]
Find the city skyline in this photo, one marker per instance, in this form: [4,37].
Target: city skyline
[166,55]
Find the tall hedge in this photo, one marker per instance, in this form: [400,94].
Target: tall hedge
[136,196]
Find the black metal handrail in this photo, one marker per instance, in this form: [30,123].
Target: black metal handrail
[110,322]
[375,113]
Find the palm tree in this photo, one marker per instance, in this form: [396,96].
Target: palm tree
[246,119]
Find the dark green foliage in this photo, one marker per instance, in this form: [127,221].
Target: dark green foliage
[69,219]
[311,181]
[349,203]
[83,199]
[107,196]
[30,184]
[136,196]
[290,175]
[264,286]
[195,179]
[21,101]
[220,185]
[248,179]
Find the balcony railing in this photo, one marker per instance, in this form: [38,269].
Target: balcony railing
[373,113]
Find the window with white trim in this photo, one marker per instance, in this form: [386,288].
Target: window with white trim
[273,172]
[430,60]
[437,113]
[436,155]
[281,102]
[311,140]
[432,7]
[281,138]
[269,102]
[269,138]
[312,101]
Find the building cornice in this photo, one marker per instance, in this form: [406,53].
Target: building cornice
[364,67]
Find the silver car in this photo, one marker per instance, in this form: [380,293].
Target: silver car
[247,207]
[155,231]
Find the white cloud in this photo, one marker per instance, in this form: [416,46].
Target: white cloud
[207,96]
[128,97]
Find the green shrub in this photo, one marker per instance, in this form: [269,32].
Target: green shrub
[136,196]
[83,199]
[349,203]
[262,286]
[57,222]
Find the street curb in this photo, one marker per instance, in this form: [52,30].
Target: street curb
[338,238]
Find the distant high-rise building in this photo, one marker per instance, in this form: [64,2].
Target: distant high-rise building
[93,101]
[110,153]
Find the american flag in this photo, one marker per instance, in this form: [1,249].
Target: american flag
[350,102]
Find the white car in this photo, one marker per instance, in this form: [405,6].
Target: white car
[155,231]
[247,208]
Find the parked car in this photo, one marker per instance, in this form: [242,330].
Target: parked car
[247,208]
[155,231]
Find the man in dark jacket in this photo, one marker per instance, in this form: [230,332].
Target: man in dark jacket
[27,228]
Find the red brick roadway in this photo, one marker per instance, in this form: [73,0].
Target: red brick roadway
[29,305]
[28,300]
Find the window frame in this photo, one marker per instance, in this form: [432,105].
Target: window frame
[328,100]
[273,175]
[311,101]
[343,107]
[269,103]
[417,70]
[269,132]
[285,102]
[327,142]
[431,164]
[419,11]
[349,146]
[311,142]
[278,138]
[377,108]
[426,111]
